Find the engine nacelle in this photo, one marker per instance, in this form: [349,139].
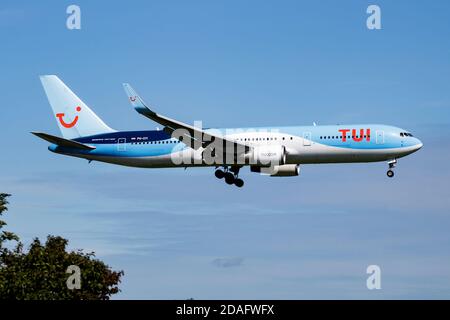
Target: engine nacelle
[268,156]
[286,170]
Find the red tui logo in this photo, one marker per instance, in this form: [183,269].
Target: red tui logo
[354,136]
[70,124]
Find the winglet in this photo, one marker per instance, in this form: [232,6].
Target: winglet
[136,101]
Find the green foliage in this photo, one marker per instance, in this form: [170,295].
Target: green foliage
[40,273]
[4,235]
[3,202]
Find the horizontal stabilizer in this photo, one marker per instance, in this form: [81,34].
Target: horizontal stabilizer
[62,142]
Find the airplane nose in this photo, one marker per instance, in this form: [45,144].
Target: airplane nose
[418,144]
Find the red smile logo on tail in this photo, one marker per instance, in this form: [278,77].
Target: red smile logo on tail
[65,124]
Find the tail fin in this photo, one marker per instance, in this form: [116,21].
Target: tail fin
[75,119]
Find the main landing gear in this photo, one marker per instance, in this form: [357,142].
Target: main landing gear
[230,175]
[390,172]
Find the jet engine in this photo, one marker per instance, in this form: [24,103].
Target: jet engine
[268,156]
[286,170]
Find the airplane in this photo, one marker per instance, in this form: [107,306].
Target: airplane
[273,151]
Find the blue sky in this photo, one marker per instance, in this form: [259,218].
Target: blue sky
[180,234]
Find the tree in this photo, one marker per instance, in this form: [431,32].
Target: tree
[4,235]
[42,272]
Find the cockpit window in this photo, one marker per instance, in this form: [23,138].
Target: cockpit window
[405,134]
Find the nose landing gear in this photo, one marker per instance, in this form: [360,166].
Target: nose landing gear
[390,172]
[230,175]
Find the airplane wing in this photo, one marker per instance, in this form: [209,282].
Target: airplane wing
[62,142]
[198,137]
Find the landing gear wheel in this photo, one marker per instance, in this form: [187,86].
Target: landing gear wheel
[390,173]
[239,183]
[229,178]
[219,174]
